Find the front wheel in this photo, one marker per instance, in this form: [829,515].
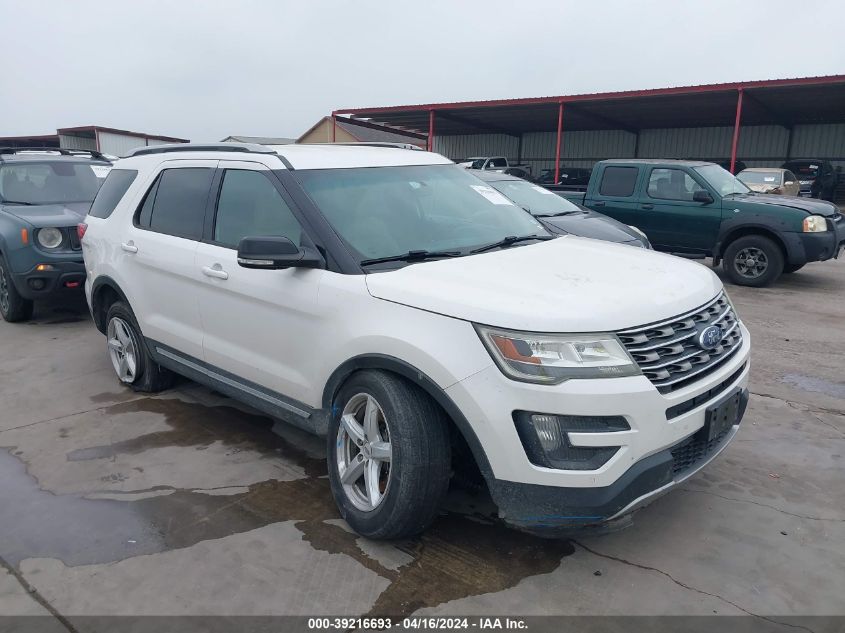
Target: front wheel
[13,307]
[753,260]
[129,355]
[389,456]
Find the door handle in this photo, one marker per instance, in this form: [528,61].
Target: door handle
[129,247]
[648,205]
[598,204]
[215,271]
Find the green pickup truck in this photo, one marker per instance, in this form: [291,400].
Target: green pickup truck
[698,209]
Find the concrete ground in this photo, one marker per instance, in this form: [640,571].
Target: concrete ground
[186,503]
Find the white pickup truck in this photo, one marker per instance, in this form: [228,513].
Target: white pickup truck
[494,163]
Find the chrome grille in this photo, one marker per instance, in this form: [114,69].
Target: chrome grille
[668,352]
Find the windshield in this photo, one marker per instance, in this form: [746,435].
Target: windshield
[50,182]
[760,177]
[537,200]
[386,211]
[721,180]
[804,170]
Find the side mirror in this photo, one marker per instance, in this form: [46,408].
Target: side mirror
[274,253]
[702,196]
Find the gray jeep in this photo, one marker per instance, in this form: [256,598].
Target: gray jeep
[44,194]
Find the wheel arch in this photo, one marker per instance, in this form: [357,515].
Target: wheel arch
[763,230]
[104,292]
[406,370]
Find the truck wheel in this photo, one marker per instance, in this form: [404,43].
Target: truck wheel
[389,455]
[753,260]
[129,354]
[13,307]
[791,268]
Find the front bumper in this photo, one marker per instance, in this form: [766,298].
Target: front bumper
[547,500]
[63,276]
[819,247]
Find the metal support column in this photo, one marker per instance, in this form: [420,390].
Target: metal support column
[334,127]
[735,140]
[559,135]
[430,143]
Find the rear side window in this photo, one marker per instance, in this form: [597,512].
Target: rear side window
[618,181]
[113,189]
[175,204]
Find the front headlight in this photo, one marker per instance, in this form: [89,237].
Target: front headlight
[815,224]
[644,237]
[50,238]
[553,358]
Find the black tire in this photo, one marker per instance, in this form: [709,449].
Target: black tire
[792,268]
[13,307]
[149,376]
[767,255]
[420,462]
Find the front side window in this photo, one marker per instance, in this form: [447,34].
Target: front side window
[496,163]
[671,184]
[387,211]
[721,180]
[618,181]
[249,205]
[53,182]
[175,204]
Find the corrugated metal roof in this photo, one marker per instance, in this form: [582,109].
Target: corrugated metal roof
[259,140]
[778,102]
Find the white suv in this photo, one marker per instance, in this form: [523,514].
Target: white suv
[393,302]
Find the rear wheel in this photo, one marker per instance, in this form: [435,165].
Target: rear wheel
[753,260]
[389,456]
[129,355]
[13,307]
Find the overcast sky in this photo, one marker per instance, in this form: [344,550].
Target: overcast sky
[205,70]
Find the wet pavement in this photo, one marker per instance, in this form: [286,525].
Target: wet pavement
[188,503]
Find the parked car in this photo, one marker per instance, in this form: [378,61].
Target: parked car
[573,177]
[817,178]
[770,180]
[560,215]
[492,162]
[699,209]
[44,194]
[420,320]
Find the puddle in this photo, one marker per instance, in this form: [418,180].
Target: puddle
[460,555]
[815,385]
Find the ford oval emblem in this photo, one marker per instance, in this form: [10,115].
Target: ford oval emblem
[710,337]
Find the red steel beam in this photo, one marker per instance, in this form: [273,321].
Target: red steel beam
[430,142]
[334,125]
[735,140]
[557,145]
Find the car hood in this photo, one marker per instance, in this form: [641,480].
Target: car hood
[814,207]
[595,226]
[569,284]
[65,214]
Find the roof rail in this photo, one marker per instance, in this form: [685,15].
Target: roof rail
[251,148]
[59,150]
[397,145]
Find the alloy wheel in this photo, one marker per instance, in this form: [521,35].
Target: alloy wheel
[751,262]
[123,350]
[364,452]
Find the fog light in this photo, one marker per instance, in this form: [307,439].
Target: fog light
[37,284]
[546,441]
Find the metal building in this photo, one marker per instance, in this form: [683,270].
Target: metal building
[92,137]
[762,123]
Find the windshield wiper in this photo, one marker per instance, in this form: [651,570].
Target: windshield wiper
[411,256]
[557,214]
[512,239]
[28,204]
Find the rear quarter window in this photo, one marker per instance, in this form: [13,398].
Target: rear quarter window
[112,191]
[618,181]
